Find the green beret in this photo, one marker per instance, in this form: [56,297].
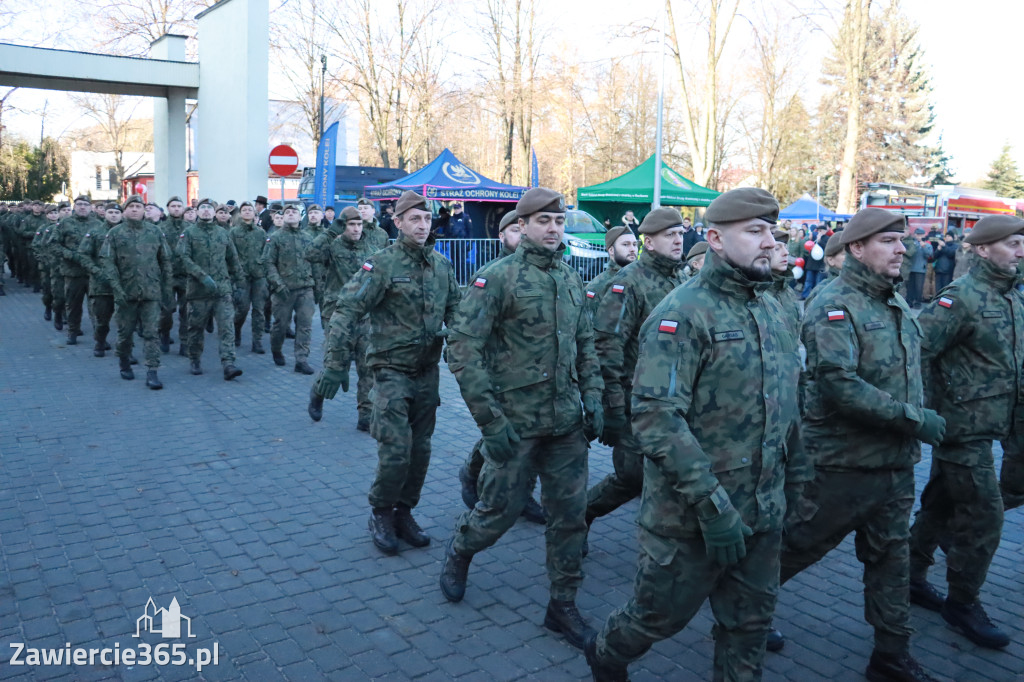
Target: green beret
[613,234]
[133,199]
[224,207]
[743,203]
[83,197]
[410,199]
[314,207]
[993,228]
[350,213]
[364,202]
[781,236]
[205,202]
[698,249]
[659,220]
[834,246]
[871,221]
[540,199]
[173,199]
[507,220]
[112,207]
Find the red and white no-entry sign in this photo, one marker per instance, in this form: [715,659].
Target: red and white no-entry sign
[283,160]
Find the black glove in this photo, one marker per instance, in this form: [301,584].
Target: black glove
[593,417]
[615,424]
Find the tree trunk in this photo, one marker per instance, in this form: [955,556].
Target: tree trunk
[854,36]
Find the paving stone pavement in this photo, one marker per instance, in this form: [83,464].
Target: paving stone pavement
[228,498]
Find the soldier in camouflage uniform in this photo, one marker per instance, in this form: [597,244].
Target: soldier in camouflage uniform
[5,252]
[782,278]
[716,422]
[26,231]
[173,228]
[208,256]
[18,215]
[339,253]
[376,236]
[290,278]
[971,358]
[863,423]
[522,349]
[137,262]
[66,239]
[629,299]
[409,291]
[695,259]
[42,249]
[101,294]
[249,238]
[621,245]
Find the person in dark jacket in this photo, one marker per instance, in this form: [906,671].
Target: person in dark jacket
[945,262]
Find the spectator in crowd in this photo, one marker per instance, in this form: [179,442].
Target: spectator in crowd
[915,264]
[460,226]
[630,221]
[945,262]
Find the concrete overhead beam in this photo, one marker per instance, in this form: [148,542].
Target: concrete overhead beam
[34,67]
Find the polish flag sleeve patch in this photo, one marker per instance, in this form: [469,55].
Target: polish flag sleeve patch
[668,326]
[618,288]
[946,302]
[368,266]
[480,282]
[590,294]
[836,315]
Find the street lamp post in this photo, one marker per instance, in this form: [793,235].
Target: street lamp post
[323,74]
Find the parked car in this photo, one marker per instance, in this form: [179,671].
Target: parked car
[584,237]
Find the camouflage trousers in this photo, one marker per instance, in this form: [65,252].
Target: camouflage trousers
[44,282]
[875,505]
[674,577]
[129,316]
[101,309]
[75,290]
[475,463]
[200,310]
[561,463]
[179,303]
[284,303]
[254,295]
[1011,475]
[402,422]
[622,485]
[29,267]
[56,276]
[962,507]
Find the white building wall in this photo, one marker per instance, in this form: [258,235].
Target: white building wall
[84,165]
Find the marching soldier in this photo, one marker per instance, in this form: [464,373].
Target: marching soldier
[715,417]
[66,239]
[971,357]
[375,234]
[173,228]
[249,238]
[862,426]
[42,249]
[409,292]
[101,294]
[290,278]
[695,259]
[621,245]
[522,350]
[782,277]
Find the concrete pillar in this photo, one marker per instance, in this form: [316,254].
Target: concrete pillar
[168,127]
[234,53]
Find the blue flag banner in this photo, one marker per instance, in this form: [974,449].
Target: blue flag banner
[323,184]
[534,170]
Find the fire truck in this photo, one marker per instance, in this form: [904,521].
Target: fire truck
[946,207]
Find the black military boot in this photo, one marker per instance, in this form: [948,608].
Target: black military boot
[196,368]
[98,350]
[972,622]
[182,351]
[58,319]
[316,405]
[454,572]
[896,668]
[126,369]
[776,640]
[601,671]
[302,367]
[564,617]
[533,512]
[165,342]
[290,334]
[925,595]
[382,529]
[106,344]
[278,358]
[152,381]
[133,360]
[238,335]
[47,314]
[407,529]
[209,326]
[2,292]
[469,496]
[72,339]
[363,423]
[230,372]
[257,346]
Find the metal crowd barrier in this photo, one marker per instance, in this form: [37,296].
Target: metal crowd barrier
[469,255]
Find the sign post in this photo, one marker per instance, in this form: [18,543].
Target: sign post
[283,161]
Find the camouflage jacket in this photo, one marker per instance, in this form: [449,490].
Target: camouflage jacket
[375,235]
[831,274]
[630,297]
[522,345]
[137,261]
[339,257]
[66,238]
[599,285]
[89,257]
[30,224]
[173,228]
[864,392]
[206,249]
[43,247]
[505,252]
[786,297]
[284,256]
[714,404]
[249,241]
[409,291]
[972,351]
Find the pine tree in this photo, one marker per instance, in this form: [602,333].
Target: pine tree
[1004,179]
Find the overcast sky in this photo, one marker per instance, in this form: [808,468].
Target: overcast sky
[972,49]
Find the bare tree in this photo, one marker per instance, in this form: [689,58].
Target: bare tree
[850,45]
[113,117]
[3,105]
[129,26]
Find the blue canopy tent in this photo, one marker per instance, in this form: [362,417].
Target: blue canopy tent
[806,208]
[448,179]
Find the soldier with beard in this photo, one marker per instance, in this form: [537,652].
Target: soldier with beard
[621,244]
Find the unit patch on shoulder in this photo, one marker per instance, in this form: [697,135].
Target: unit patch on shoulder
[480,282]
[590,294]
[368,266]
[668,326]
[618,288]
[836,315]
[946,302]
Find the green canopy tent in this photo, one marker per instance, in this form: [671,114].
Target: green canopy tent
[634,191]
